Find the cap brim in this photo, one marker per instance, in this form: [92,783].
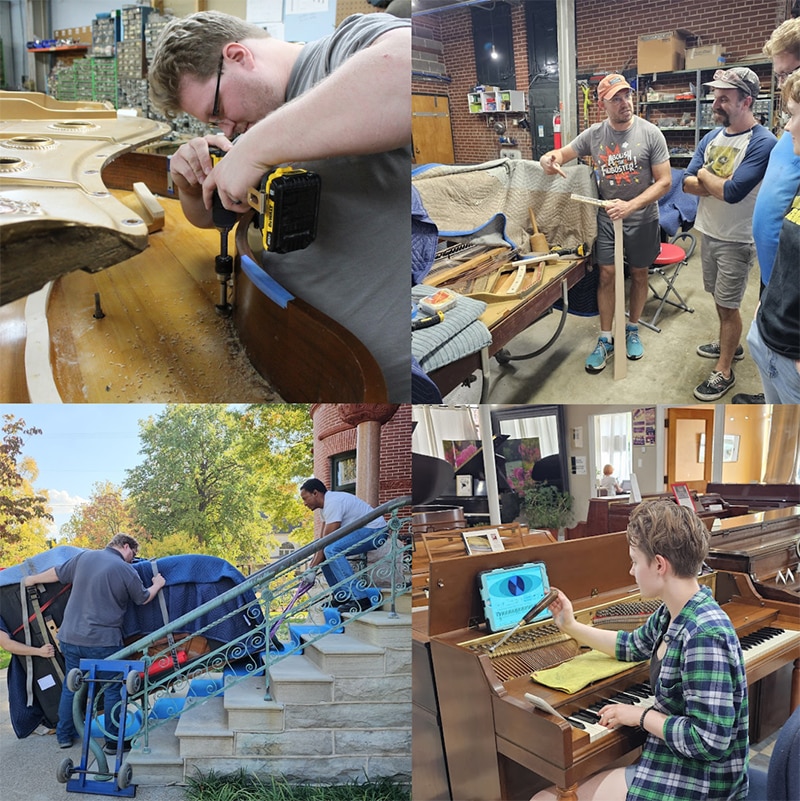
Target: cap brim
[722,85]
[615,90]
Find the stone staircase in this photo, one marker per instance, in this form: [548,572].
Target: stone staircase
[340,712]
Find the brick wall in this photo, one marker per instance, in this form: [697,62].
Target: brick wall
[606,34]
[333,436]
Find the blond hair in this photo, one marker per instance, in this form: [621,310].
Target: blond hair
[785,39]
[191,46]
[675,532]
[791,89]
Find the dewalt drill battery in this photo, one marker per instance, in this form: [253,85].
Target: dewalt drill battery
[288,206]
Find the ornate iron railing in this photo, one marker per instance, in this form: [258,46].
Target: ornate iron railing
[177,678]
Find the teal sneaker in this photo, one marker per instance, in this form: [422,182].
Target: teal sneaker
[600,355]
[633,345]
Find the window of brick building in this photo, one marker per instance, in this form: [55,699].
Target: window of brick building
[343,472]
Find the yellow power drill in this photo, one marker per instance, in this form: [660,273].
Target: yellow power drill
[287,202]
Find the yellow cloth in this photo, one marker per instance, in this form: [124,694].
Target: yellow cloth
[581,670]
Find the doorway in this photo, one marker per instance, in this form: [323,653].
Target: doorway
[688,460]
[431,134]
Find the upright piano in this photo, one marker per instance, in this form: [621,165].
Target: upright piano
[497,744]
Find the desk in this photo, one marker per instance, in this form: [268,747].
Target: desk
[506,320]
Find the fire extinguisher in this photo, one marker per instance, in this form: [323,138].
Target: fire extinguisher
[557,131]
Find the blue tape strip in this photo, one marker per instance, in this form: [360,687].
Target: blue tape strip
[268,285]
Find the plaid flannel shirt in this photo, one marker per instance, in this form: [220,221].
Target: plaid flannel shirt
[703,691]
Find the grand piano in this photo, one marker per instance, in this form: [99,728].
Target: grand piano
[497,745]
[758,496]
[765,546]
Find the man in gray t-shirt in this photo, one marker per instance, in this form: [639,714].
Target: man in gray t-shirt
[338,106]
[631,163]
[103,584]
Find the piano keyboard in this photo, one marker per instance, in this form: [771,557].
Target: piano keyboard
[587,719]
[765,640]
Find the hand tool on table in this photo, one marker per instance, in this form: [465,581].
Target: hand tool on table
[418,323]
[536,609]
[538,240]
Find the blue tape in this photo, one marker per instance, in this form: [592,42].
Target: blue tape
[268,285]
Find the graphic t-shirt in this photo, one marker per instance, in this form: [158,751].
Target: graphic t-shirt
[623,160]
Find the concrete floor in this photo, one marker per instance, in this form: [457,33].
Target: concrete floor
[668,372]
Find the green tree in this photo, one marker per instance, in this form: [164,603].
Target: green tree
[193,483]
[278,446]
[23,511]
[102,517]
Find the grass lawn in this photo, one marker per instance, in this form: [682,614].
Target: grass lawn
[245,787]
[5,658]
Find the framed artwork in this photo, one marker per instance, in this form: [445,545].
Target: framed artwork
[683,496]
[520,456]
[464,486]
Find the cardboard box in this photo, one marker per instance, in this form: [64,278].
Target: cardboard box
[700,58]
[661,52]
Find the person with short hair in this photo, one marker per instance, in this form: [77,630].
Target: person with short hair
[103,584]
[339,509]
[631,162]
[697,728]
[339,107]
[725,172]
[783,168]
[774,336]
[608,482]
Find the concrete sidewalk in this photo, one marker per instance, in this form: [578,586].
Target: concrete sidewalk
[28,767]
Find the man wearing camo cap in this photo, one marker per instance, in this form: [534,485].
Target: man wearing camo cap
[726,172]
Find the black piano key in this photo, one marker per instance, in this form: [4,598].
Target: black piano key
[641,691]
[589,717]
[575,722]
[624,698]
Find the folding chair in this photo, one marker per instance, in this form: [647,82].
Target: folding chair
[668,265]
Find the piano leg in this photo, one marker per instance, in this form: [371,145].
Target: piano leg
[568,793]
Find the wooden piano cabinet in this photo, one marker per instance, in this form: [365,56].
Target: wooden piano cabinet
[429,774]
[758,496]
[497,745]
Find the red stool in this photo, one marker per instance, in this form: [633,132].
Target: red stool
[668,265]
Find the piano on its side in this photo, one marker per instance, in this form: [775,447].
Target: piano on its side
[497,745]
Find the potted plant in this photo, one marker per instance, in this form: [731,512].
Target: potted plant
[546,506]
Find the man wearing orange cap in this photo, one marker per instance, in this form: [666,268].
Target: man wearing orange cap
[632,168]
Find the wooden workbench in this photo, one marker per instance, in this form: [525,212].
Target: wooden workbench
[506,320]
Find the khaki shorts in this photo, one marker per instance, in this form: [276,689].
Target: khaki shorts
[726,266]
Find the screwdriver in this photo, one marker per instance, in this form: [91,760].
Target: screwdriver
[528,617]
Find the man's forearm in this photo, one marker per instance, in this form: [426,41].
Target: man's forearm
[194,210]
[49,576]
[713,184]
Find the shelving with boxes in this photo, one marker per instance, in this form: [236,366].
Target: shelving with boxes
[678,103]
[494,100]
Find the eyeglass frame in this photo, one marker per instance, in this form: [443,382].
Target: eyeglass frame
[215,107]
[782,77]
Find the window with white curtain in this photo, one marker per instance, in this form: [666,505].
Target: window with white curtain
[612,444]
[437,424]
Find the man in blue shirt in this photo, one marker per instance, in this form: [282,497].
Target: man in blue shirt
[783,170]
[339,509]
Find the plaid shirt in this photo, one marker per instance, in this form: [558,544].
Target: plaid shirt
[703,691]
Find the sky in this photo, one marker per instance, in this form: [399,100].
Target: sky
[80,445]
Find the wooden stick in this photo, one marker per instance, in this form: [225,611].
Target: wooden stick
[620,357]
[440,277]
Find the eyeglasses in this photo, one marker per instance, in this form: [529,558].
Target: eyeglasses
[215,109]
[780,77]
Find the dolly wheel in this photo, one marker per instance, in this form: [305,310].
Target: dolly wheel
[64,771]
[133,682]
[125,775]
[74,679]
